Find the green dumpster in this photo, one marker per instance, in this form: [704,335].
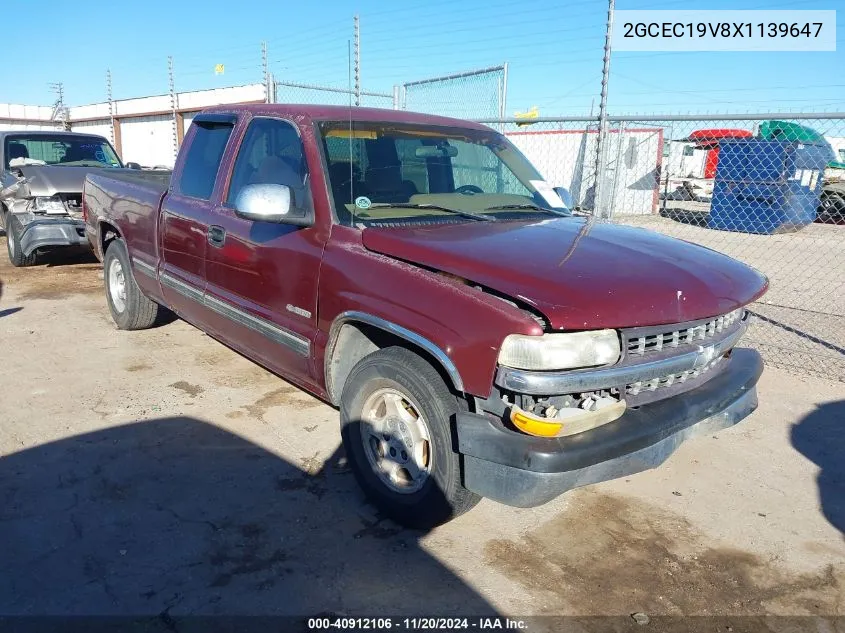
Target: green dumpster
[787,131]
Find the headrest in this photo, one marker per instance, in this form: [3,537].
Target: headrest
[387,178]
[17,150]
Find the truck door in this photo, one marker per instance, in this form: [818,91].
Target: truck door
[262,277]
[185,218]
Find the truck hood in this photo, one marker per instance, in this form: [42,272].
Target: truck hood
[581,274]
[47,180]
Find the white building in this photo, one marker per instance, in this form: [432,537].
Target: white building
[146,130]
[567,158]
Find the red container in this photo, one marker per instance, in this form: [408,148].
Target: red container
[709,140]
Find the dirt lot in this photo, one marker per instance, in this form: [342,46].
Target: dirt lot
[159,473]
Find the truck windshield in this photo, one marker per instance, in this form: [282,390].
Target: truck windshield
[59,149]
[387,173]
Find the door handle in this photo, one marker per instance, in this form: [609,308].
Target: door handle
[216,235]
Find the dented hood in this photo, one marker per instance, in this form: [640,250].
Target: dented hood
[47,180]
[581,274]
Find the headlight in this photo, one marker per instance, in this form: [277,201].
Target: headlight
[49,205]
[560,351]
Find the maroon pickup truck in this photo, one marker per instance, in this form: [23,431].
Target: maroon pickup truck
[478,338]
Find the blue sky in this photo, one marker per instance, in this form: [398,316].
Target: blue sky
[554,50]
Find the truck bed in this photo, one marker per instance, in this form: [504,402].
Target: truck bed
[126,196]
[147,178]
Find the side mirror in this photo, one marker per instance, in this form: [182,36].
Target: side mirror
[132,165]
[564,194]
[271,203]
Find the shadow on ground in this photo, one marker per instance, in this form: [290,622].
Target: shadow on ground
[820,437]
[175,516]
[686,216]
[66,256]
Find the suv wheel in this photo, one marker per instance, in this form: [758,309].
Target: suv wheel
[13,243]
[129,308]
[396,422]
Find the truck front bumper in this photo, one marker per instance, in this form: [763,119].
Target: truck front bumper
[52,232]
[523,470]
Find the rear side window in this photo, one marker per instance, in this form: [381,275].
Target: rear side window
[203,160]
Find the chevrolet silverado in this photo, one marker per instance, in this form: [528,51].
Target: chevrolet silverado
[41,188]
[478,337]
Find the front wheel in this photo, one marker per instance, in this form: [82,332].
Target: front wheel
[129,308]
[14,229]
[396,418]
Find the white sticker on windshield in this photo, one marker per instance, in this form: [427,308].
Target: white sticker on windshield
[548,193]
[362,202]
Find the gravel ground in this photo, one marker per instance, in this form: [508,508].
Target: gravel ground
[159,473]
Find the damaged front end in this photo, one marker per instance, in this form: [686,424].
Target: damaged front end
[544,431]
[36,215]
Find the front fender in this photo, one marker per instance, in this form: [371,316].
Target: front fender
[459,325]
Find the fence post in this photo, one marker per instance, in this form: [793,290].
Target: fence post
[503,96]
[357,61]
[396,97]
[173,106]
[265,73]
[599,209]
[667,169]
[111,106]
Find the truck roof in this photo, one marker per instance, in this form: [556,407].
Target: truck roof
[5,133]
[341,113]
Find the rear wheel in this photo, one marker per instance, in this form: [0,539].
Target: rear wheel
[396,421]
[14,229]
[129,308]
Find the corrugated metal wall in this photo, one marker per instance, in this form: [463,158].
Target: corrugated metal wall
[144,131]
[148,140]
[188,119]
[26,125]
[101,128]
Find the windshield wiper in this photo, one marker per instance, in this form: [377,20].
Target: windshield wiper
[505,207]
[81,163]
[436,207]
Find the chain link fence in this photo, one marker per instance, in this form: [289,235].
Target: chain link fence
[475,94]
[289,92]
[767,189]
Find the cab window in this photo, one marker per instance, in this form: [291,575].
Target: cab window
[271,153]
[202,162]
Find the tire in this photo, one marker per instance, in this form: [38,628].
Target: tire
[130,309]
[13,243]
[399,376]
[831,208]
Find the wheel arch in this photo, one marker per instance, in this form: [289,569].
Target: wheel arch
[354,335]
[107,232]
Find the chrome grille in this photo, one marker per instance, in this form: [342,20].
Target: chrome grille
[675,336]
[654,384]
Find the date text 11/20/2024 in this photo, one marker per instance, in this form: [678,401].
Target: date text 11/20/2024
[415,624]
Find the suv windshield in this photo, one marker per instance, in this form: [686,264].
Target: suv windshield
[388,173]
[59,149]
